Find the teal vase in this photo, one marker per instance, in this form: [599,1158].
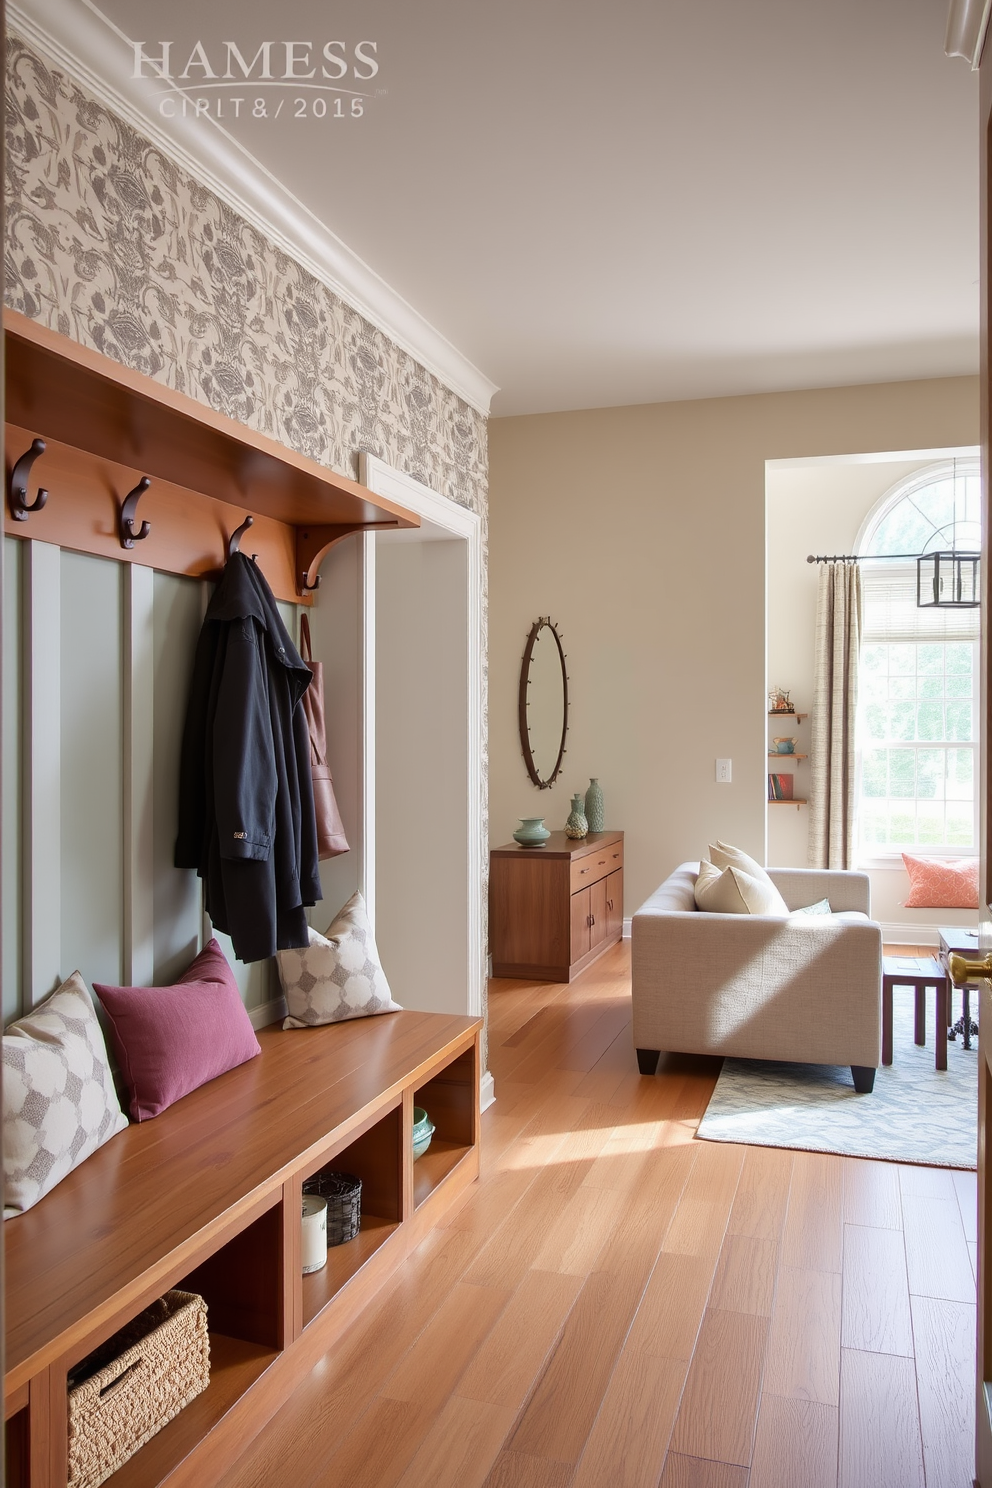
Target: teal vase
[594,806]
[576,826]
[531,832]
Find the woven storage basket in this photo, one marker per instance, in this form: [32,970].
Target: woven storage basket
[343,1192]
[129,1388]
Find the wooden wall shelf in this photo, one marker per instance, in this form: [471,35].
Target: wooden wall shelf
[106,426]
[207,1197]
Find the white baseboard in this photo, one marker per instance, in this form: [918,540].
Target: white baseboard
[903,932]
[626,928]
[269,1012]
[487,1091]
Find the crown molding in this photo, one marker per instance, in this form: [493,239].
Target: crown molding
[80,41]
[967,24]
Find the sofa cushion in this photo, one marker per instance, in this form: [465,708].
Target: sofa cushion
[725,855]
[732,891]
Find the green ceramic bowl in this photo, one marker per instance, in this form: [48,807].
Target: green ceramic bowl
[423,1130]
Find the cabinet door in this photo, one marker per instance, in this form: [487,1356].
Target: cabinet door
[598,915]
[580,913]
[614,904]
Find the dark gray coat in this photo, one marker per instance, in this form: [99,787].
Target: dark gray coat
[246,817]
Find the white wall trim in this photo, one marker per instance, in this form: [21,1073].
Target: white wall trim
[626,928]
[459,522]
[967,25]
[908,932]
[137,712]
[366,782]
[487,1091]
[87,45]
[269,1012]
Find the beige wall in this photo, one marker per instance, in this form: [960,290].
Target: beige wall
[642,532]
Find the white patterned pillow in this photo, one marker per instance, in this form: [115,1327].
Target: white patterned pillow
[59,1101]
[338,975]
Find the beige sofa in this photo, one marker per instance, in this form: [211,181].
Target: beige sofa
[805,989]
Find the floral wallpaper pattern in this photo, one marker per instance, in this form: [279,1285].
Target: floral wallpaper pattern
[110,242]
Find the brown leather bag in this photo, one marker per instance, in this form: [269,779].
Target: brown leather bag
[330,830]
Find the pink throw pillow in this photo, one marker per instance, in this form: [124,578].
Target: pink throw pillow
[170,1040]
[942,883]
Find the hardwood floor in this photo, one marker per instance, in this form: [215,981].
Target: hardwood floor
[617,1305]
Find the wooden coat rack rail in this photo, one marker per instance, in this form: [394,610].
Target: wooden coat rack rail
[135,471]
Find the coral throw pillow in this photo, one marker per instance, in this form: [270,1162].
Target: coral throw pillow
[942,883]
[171,1040]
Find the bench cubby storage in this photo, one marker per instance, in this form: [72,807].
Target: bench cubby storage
[207,1198]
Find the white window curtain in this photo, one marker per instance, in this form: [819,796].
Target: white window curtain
[835,705]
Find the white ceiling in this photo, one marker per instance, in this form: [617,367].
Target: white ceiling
[642,200]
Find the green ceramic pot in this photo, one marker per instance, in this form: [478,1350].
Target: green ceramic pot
[423,1130]
[531,832]
[576,826]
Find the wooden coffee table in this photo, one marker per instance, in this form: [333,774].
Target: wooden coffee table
[965,943]
[918,972]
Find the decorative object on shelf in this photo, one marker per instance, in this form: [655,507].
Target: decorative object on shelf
[595,817]
[780,787]
[17,491]
[123,1393]
[423,1131]
[128,533]
[785,745]
[343,1195]
[778,701]
[576,826]
[542,703]
[531,832]
[313,1247]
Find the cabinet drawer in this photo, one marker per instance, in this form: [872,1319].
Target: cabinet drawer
[596,865]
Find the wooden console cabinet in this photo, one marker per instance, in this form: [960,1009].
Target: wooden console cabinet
[554,909]
[207,1197]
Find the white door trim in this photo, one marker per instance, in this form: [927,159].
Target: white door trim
[456,522]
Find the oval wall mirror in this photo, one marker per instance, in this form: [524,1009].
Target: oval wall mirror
[543,705]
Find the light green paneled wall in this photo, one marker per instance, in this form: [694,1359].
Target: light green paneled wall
[12,854]
[100,658]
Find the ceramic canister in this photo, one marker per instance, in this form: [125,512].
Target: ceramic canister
[314,1248]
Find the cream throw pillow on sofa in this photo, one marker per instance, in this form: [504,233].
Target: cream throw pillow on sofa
[726,856]
[732,891]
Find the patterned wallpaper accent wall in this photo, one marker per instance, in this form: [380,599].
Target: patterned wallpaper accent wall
[111,243]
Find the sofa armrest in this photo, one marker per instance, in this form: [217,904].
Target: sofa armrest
[844,888]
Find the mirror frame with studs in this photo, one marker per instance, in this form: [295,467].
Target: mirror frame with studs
[543,622]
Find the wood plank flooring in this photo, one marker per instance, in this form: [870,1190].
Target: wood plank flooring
[618,1305]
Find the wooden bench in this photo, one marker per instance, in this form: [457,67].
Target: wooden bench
[207,1197]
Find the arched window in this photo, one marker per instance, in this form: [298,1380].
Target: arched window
[918,693]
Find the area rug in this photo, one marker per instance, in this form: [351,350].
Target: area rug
[915,1114]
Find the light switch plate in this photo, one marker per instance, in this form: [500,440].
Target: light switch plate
[723,771]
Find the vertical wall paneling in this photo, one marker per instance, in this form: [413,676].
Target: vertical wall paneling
[13,817]
[138,951]
[42,786]
[177,612]
[92,766]
[367,867]
[336,629]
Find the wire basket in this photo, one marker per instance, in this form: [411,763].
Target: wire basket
[343,1192]
[130,1387]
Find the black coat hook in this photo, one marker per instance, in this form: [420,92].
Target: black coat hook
[129,509]
[17,491]
[234,542]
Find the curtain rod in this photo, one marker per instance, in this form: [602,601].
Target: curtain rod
[883,557]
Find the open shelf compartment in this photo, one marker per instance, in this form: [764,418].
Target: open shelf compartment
[449,1099]
[375,1158]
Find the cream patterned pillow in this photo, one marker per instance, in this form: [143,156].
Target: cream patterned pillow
[337,976]
[59,1101]
[732,891]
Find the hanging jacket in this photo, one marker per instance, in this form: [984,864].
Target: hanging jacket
[246,815]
